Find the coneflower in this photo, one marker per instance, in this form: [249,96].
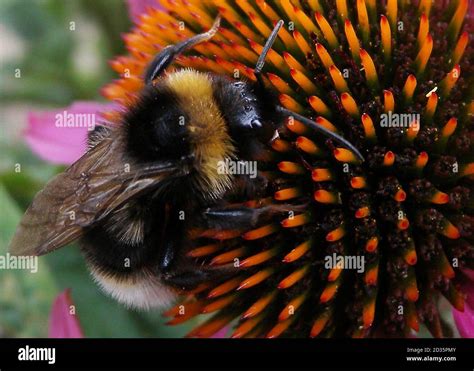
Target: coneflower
[361,68]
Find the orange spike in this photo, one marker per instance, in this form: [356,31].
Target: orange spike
[259,305]
[260,232]
[329,292]
[281,145]
[287,194]
[460,48]
[412,130]
[342,12]
[449,128]
[326,197]
[228,257]
[302,43]
[336,234]
[338,80]
[392,10]
[431,105]
[369,68]
[400,195]
[411,290]
[297,252]
[307,145]
[334,273]
[258,258]
[224,288]
[412,316]
[290,104]
[362,212]
[324,56]
[325,123]
[372,244]
[468,169]
[423,55]
[371,276]
[210,327]
[280,84]
[328,33]
[294,64]
[389,101]
[259,24]
[410,256]
[389,158]
[352,39]
[280,328]
[358,182]
[319,106]
[386,37]
[424,7]
[349,104]
[304,82]
[319,325]
[423,30]
[447,84]
[289,167]
[295,126]
[363,18]
[296,221]
[450,231]
[291,308]
[255,279]
[368,313]
[246,326]
[293,278]
[403,224]
[218,304]
[321,175]
[409,87]
[457,20]
[439,198]
[421,160]
[191,310]
[306,21]
[368,125]
[345,155]
[204,250]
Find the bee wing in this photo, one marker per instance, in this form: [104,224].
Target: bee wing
[82,195]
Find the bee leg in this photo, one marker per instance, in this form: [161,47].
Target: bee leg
[191,276]
[243,218]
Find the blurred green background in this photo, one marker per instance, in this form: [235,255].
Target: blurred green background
[58,67]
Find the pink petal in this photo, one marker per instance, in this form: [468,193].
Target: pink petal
[61,145]
[137,7]
[222,333]
[63,322]
[465,320]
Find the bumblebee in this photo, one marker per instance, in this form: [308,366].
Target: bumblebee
[133,196]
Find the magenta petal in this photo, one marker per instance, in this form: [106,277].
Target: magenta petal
[61,145]
[137,7]
[465,320]
[63,322]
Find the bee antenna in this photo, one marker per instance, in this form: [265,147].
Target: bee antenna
[268,45]
[163,59]
[311,124]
